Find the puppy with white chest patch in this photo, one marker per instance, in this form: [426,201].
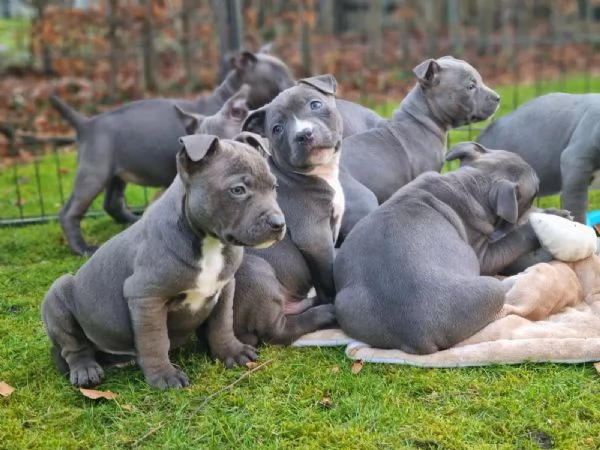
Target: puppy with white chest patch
[146,290]
[304,129]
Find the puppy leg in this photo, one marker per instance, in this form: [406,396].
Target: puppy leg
[149,321]
[283,330]
[576,170]
[114,202]
[88,185]
[71,349]
[360,201]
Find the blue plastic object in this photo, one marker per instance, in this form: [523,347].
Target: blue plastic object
[593,217]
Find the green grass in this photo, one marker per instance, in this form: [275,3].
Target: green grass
[526,406]
[14,36]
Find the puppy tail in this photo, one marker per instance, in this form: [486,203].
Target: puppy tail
[69,114]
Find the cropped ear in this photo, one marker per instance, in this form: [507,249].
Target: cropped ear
[428,73]
[191,121]
[466,151]
[255,122]
[327,84]
[505,201]
[194,148]
[242,60]
[236,106]
[254,140]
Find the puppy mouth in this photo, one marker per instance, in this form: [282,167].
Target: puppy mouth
[265,243]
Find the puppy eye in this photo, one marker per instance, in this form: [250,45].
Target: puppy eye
[277,129]
[471,86]
[315,104]
[238,190]
[275,186]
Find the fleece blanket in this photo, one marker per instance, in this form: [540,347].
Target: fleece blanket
[551,314]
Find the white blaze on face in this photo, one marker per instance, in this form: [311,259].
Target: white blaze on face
[301,125]
[330,173]
[208,286]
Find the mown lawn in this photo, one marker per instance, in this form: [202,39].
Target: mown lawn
[303,398]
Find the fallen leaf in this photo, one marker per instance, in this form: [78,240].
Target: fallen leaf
[6,389]
[326,402]
[126,407]
[251,365]
[335,369]
[597,366]
[94,394]
[356,366]
[63,170]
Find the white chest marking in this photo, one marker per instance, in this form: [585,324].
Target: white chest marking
[330,173]
[208,286]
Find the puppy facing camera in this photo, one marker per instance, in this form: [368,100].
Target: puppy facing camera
[146,290]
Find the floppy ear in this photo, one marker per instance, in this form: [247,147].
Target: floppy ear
[506,203]
[242,60]
[327,84]
[194,148]
[428,73]
[254,140]
[255,122]
[191,121]
[236,106]
[466,150]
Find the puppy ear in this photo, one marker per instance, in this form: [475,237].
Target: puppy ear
[191,121]
[327,84]
[505,201]
[236,106]
[466,151]
[254,140]
[194,148]
[447,57]
[267,48]
[428,73]
[255,122]
[242,60]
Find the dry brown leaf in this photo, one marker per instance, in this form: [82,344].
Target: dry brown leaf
[597,366]
[127,407]
[94,394]
[251,365]
[6,389]
[356,366]
[335,369]
[326,402]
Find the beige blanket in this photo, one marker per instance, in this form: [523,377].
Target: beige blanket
[551,314]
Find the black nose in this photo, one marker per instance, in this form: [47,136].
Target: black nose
[304,136]
[276,222]
[495,97]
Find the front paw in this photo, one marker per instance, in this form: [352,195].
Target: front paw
[325,315]
[166,377]
[235,353]
[565,214]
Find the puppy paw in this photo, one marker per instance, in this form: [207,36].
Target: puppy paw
[88,375]
[325,315]
[236,354]
[166,378]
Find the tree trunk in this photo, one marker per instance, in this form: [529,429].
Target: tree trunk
[149,54]
[454,27]
[375,35]
[186,12]
[305,47]
[484,13]
[6,12]
[236,30]
[114,49]
[327,17]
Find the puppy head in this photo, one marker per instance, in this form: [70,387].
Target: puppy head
[225,123]
[302,124]
[230,190]
[512,184]
[266,74]
[456,91]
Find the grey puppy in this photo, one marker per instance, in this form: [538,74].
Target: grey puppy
[449,93]
[146,290]
[558,135]
[137,142]
[304,129]
[225,123]
[416,274]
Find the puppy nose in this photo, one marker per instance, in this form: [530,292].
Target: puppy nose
[495,97]
[276,222]
[304,136]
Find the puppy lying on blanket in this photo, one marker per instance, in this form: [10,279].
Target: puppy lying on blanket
[398,289]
